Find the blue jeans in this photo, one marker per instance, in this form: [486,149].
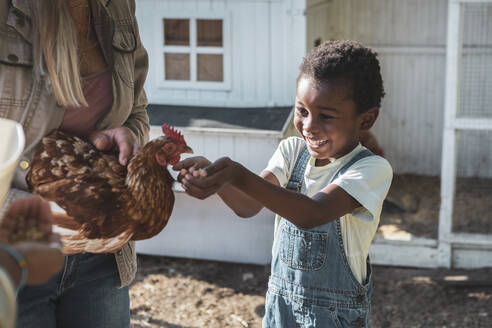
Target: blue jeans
[84,294]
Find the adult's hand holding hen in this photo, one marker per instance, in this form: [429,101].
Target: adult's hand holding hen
[121,137]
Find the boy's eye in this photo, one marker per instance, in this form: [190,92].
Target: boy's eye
[326,117]
[302,111]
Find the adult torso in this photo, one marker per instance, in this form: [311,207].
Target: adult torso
[31,102]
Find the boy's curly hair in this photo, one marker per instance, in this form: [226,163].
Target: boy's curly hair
[349,60]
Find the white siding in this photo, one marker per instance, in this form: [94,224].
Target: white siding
[210,230]
[267,44]
[410,37]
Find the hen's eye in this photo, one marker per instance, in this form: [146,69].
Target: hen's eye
[169,148]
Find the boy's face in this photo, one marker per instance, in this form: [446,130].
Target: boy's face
[327,118]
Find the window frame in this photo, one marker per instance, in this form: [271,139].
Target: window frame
[193,50]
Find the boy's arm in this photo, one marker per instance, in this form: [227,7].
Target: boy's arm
[242,204]
[327,205]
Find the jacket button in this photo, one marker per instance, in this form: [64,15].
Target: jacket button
[13,58]
[119,253]
[24,165]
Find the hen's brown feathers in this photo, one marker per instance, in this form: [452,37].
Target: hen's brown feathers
[104,199]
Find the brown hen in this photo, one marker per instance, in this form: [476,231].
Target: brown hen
[106,204]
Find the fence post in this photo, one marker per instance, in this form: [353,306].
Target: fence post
[448,164]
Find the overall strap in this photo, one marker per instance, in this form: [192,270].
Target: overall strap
[297,175]
[360,155]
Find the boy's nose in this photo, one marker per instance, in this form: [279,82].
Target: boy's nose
[310,125]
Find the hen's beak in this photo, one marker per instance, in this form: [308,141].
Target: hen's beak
[187,150]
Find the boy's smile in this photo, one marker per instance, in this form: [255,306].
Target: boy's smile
[327,118]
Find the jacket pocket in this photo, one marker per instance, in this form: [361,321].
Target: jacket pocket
[124,45]
[15,50]
[303,249]
[15,75]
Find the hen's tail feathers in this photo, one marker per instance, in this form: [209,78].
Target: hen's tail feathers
[75,243]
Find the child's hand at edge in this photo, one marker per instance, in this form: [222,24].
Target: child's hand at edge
[27,227]
[28,220]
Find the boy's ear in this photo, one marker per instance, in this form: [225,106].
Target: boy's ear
[368,118]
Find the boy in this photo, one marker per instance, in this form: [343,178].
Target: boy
[326,189]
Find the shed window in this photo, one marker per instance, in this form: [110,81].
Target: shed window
[193,50]
[209,32]
[177,66]
[210,67]
[176,32]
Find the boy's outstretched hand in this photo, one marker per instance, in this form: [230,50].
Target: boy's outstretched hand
[191,165]
[200,178]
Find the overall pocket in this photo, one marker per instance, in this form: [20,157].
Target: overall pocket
[319,316]
[303,249]
[356,318]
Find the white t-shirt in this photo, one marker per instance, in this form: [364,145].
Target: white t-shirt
[367,180]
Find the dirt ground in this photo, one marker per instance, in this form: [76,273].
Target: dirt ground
[185,293]
[472,206]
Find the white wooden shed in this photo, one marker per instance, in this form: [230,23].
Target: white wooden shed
[211,56]
[223,72]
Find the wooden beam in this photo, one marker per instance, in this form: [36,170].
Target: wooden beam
[403,255]
[156,131]
[472,258]
[414,241]
[448,165]
[482,241]
[471,1]
[472,124]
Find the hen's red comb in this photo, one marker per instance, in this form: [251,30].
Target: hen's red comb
[172,133]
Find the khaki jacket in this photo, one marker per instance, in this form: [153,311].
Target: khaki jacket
[30,101]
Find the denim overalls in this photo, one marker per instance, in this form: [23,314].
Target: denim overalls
[311,283]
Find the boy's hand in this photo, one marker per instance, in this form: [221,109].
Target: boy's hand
[210,180]
[192,166]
